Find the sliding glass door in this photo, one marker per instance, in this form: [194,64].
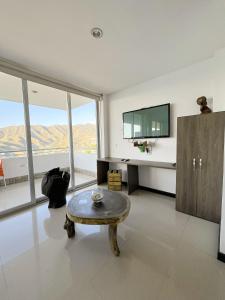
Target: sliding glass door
[84,138]
[49,131]
[42,128]
[14,179]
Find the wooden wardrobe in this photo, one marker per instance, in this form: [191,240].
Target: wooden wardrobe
[200,155]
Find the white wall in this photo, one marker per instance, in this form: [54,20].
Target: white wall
[219,80]
[219,96]
[17,166]
[86,162]
[181,89]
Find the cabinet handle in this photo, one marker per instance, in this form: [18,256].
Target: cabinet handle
[200,163]
[194,162]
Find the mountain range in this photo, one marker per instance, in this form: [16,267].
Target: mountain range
[12,138]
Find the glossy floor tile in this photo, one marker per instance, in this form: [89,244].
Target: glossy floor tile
[3,285]
[164,255]
[19,193]
[194,275]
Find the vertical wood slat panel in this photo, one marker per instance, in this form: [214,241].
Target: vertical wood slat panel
[211,169]
[199,189]
[186,179]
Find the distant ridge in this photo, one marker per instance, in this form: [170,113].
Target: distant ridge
[12,138]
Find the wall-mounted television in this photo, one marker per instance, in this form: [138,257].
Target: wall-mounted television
[151,122]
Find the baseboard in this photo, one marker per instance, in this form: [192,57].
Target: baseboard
[157,191]
[221,256]
[145,188]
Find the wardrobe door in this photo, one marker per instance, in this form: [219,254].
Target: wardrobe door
[186,178]
[210,166]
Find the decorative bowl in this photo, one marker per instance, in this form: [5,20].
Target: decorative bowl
[96,197]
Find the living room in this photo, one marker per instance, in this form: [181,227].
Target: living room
[136,210]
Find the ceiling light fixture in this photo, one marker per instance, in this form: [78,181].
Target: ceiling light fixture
[96,32]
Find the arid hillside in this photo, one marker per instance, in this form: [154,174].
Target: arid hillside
[12,138]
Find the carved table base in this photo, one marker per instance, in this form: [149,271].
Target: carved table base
[114,210]
[69,227]
[113,239]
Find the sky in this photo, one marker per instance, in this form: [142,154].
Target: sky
[11,114]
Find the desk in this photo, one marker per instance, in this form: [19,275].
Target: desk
[132,169]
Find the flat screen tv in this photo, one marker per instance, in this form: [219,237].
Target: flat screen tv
[151,122]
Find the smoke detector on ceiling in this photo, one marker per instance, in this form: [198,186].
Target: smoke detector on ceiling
[96,32]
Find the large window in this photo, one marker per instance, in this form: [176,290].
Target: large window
[49,130]
[84,138]
[42,128]
[14,185]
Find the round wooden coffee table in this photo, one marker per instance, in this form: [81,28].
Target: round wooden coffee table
[113,210]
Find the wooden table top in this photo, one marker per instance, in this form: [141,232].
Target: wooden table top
[139,162]
[115,207]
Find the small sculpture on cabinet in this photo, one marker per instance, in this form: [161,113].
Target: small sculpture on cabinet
[202,101]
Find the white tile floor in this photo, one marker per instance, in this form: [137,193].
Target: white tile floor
[165,255]
[16,194]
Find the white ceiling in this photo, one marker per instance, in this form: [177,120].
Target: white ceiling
[38,94]
[142,38]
